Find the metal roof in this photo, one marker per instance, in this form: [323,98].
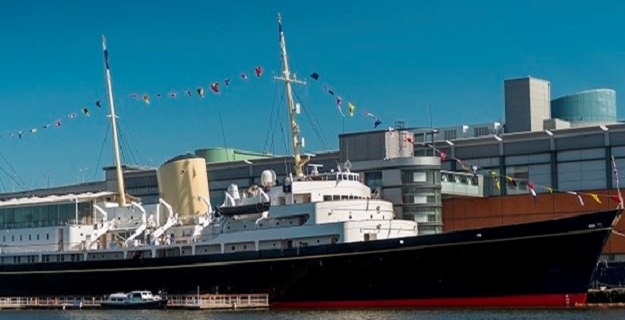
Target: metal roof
[66,198]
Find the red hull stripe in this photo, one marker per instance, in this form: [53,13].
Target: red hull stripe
[541,300]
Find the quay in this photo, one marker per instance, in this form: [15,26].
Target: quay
[184,302]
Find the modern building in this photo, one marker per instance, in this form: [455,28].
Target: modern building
[527,101]
[571,171]
[590,107]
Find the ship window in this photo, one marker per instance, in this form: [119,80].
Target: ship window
[336,197]
[13,238]
[29,237]
[244,247]
[232,248]
[37,236]
[4,238]
[327,198]
[47,236]
[20,237]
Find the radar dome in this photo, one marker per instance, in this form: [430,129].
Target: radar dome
[268,178]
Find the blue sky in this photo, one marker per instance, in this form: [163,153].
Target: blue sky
[392,58]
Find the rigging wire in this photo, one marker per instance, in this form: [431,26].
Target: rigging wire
[315,126]
[275,128]
[273,106]
[288,165]
[130,159]
[19,180]
[108,128]
[2,183]
[132,141]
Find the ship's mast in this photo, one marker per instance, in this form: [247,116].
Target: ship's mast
[296,139]
[118,167]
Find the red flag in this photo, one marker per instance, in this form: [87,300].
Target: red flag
[443,156]
[615,198]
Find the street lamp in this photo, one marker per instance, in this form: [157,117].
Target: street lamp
[81,174]
[48,179]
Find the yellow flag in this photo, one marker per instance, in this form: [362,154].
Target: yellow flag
[351,108]
[596,197]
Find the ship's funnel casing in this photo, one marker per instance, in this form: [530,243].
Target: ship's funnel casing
[181,182]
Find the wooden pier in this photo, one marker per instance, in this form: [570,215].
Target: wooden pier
[186,302]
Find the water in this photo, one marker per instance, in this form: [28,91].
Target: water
[420,314]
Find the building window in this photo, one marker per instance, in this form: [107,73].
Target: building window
[480,131]
[449,134]
[373,179]
[420,176]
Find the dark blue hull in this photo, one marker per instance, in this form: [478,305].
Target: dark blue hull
[523,264]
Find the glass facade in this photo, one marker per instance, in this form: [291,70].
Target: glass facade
[421,198]
[592,106]
[45,215]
